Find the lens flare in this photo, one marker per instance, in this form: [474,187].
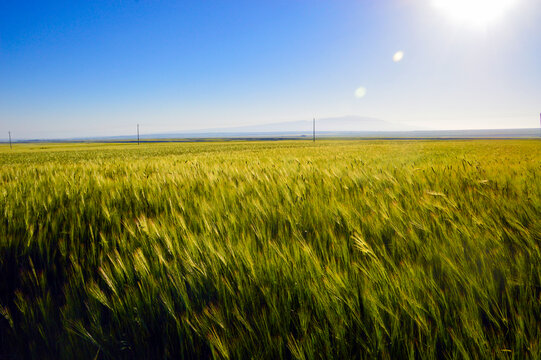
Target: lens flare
[360,92]
[398,56]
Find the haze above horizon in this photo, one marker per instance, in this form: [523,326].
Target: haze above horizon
[98,68]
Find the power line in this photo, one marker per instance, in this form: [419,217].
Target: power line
[314,131]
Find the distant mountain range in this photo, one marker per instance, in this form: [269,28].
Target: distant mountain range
[335,124]
[326,126]
[344,126]
[339,126]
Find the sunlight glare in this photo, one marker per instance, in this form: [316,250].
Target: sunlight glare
[478,13]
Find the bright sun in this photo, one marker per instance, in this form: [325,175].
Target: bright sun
[478,13]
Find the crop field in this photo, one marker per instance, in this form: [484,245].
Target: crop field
[266,250]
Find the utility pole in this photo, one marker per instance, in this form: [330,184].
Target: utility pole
[137,134]
[9,132]
[314,131]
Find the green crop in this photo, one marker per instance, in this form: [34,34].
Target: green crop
[342,249]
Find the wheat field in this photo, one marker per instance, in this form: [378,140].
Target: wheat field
[340,249]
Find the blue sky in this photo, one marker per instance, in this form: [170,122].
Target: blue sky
[93,68]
